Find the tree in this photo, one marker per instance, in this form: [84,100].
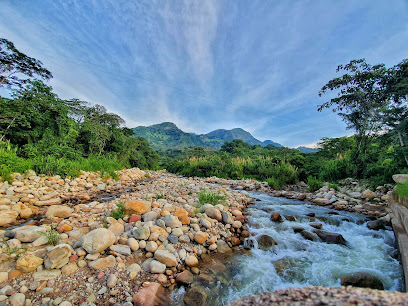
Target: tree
[360,96]
[15,64]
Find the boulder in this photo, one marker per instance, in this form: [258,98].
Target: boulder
[29,233]
[58,256]
[103,263]
[7,217]
[166,258]
[276,217]
[368,194]
[333,238]
[377,225]
[265,242]
[137,207]
[152,295]
[60,211]
[28,263]
[400,178]
[97,240]
[196,296]
[213,213]
[363,280]
[309,236]
[185,278]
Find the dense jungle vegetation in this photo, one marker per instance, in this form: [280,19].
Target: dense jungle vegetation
[49,135]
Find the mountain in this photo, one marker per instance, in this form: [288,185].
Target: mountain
[307,150]
[167,135]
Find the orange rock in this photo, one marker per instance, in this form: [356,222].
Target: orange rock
[182,214]
[200,237]
[41,287]
[64,228]
[137,207]
[151,295]
[157,229]
[14,273]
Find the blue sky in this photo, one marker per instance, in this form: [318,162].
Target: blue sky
[206,65]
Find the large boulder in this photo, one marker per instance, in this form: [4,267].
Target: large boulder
[7,217]
[196,296]
[400,178]
[166,258]
[276,217]
[377,225]
[58,256]
[333,238]
[28,263]
[363,280]
[137,207]
[60,211]
[265,242]
[97,240]
[152,295]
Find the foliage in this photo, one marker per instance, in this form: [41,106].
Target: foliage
[119,212]
[208,197]
[275,183]
[402,189]
[334,186]
[313,183]
[52,235]
[159,196]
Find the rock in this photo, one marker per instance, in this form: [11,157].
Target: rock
[133,244]
[58,256]
[223,247]
[196,296]
[13,243]
[121,249]
[60,211]
[290,218]
[191,261]
[150,216]
[226,218]
[134,268]
[172,221]
[205,223]
[177,232]
[200,237]
[309,236]
[54,201]
[26,213]
[103,263]
[320,201]
[7,217]
[141,233]
[137,207]
[157,267]
[182,215]
[236,224]
[213,213]
[3,276]
[276,217]
[400,178]
[266,242]
[151,246]
[377,225]
[117,228]
[368,194]
[17,299]
[185,278]
[316,225]
[14,274]
[166,258]
[333,238]
[363,280]
[355,195]
[69,268]
[97,240]
[29,233]
[152,295]
[28,263]
[46,275]
[5,201]
[112,280]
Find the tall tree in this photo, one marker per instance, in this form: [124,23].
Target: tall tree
[16,68]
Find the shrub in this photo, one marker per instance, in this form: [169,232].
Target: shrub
[119,212]
[334,186]
[53,237]
[336,169]
[208,197]
[402,189]
[313,183]
[274,183]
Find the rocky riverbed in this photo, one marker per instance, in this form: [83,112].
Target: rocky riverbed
[158,243]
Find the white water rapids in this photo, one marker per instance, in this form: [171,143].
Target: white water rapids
[297,262]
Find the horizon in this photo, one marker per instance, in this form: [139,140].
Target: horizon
[204,66]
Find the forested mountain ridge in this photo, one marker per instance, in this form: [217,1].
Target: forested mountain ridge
[167,135]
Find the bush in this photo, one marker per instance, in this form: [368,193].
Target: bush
[53,237]
[334,186]
[208,197]
[402,189]
[313,183]
[336,169]
[119,212]
[274,183]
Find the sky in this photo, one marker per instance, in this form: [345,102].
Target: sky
[206,65]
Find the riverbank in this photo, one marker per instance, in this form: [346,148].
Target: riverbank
[158,243]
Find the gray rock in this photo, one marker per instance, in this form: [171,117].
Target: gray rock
[400,178]
[226,218]
[172,239]
[146,264]
[363,280]
[121,249]
[309,236]
[141,233]
[184,239]
[157,267]
[172,221]
[196,296]
[150,216]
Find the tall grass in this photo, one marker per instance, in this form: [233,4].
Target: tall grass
[208,197]
[313,183]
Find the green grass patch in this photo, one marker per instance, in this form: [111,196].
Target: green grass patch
[402,189]
[334,186]
[208,197]
[119,212]
[53,237]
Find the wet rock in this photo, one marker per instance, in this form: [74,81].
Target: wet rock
[316,225]
[97,240]
[58,257]
[266,242]
[191,261]
[309,236]
[166,258]
[59,211]
[103,263]
[333,238]
[377,225]
[290,218]
[28,263]
[297,229]
[185,278]
[311,214]
[137,207]
[276,217]
[213,213]
[223,247]
[362,279]
[196,296]
[152,295]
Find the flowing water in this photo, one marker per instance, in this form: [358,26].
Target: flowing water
[297,262]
